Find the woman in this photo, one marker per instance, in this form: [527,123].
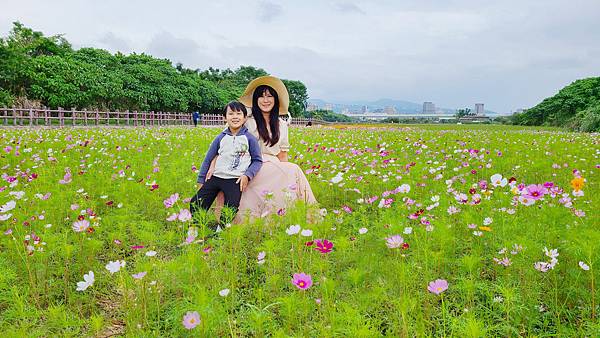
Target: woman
[279,183]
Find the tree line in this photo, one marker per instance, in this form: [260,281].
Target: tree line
[576,106]
[46,70]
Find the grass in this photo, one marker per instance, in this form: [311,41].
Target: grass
[361,289]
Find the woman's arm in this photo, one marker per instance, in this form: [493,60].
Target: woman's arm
[283,156]
[284,142]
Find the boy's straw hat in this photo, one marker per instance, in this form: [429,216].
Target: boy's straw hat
[273,82]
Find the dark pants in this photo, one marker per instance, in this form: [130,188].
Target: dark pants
[205,197]
[195,122]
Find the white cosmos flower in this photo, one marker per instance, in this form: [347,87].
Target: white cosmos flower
[337,178]
[498,180]
[18,194]
[224,292]
[114,266]
[306,233]
[584,266]
[88,280]
[404,188]
[293,229]
[8,206]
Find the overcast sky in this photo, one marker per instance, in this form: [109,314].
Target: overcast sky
[507,54]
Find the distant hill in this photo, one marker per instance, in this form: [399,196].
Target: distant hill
[402,107]
[576,106]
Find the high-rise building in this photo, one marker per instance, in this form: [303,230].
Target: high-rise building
[428,108]
[364,109]
[328,106]
[479,111]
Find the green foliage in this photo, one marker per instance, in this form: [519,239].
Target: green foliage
[298,97]
[463,112]
[48,70]
[328,115]
[575,106]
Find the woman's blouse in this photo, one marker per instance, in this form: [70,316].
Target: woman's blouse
[282,145]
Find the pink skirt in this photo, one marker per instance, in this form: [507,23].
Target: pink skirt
[276,186]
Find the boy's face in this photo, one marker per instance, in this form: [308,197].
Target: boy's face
[234,119]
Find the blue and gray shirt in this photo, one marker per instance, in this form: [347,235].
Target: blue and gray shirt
[238,155]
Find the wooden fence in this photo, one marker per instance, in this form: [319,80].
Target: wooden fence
[61,118]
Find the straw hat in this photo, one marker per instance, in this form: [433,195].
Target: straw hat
[273,82]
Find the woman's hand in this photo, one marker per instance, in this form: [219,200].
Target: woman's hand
[211,169]
[283,156]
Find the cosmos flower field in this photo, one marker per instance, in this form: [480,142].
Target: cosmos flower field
[465,231]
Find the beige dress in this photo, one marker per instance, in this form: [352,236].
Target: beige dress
[277,185]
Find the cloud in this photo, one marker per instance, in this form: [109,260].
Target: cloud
[348,7]
[114,43]
[508,54]
[269,11]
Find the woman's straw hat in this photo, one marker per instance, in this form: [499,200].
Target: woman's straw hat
[273,82]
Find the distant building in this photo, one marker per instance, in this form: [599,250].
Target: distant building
[428,108]
[311,107]
[364,109]
[390,110]
[328,106]
[479,111]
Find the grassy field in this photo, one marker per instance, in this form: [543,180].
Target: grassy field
[422,230]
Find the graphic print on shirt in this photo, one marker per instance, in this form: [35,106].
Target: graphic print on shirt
[240,150]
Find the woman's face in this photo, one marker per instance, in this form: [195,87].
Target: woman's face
[266,102]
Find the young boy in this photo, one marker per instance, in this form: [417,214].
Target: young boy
[238,162]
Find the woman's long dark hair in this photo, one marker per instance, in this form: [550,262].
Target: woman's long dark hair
[272,139]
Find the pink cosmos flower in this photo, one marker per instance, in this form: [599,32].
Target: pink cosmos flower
[438,286]
[169,202]
[67,178]
[324,246]
[302,281]
[394,241]
[184,215]
[191,320]
[535,191]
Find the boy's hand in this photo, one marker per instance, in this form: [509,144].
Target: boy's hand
[243,181]
[211,169]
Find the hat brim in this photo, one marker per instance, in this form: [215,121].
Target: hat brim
[273,82]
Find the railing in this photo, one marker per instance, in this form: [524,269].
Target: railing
[61,118]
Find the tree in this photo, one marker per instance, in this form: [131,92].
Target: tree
[298,97]
[463,112]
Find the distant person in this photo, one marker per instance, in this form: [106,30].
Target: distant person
[309,124]
[195,118]
[239,160]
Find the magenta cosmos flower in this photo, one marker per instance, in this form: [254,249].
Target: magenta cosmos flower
[302,281]
[191,320]
[438,286]
[394,242]
[323,245]
[536,191]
